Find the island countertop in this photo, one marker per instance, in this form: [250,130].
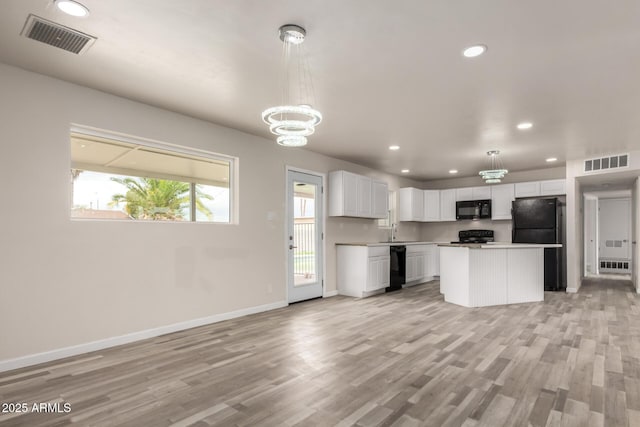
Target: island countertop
[399,243]
[501,245]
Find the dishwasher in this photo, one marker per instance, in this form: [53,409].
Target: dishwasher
[398,267]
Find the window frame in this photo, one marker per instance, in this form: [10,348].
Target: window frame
[170,148]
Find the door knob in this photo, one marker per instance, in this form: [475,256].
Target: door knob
[292,247]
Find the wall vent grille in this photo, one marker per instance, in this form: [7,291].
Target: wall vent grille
[614,266]
[604,163]
[56,35]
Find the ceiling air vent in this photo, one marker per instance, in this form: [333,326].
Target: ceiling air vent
[56,35]
[605,163]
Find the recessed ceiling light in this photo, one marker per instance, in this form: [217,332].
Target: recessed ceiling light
[72,8]
[405,171]
[551,159]
[453,171]
[394,147]
[473,51]
[525,125]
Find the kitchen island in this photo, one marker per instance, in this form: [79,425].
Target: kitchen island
[479,275]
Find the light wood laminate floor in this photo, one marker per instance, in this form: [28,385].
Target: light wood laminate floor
[401,359]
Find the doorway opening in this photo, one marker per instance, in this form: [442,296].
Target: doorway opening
[608,234]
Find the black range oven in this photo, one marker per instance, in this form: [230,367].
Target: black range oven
[475,236]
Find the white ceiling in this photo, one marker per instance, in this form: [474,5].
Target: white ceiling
[385,72]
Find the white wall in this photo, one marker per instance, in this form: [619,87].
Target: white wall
[67,282]
[448,231]
[590,213]
[635,225]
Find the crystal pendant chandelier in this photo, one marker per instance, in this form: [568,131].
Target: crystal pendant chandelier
[293,121]
[496,173]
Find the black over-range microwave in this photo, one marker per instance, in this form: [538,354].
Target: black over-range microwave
[473,209]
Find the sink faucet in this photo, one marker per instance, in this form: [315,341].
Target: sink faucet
[394,230]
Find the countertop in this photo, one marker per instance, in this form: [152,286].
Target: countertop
[502,245]
[399,243]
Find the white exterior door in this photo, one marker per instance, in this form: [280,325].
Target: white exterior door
[304,244]
[615,229]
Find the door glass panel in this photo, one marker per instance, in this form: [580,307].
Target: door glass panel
[304,233]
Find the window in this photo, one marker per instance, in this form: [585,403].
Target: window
[387,223]
[129,180]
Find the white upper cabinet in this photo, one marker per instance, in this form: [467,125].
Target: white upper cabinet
[553,187]
[501,198]
[343,194]
[410,204]
[355,195]
[440,205]
[463,194]
[481,193]
[527,189]
[473,193]
[364,196]
[380,203]
[431,205]
[448,205]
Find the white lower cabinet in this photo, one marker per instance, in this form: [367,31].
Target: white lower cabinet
[432,261]
[378,277]
[362,270]
[414,262]
[420,265]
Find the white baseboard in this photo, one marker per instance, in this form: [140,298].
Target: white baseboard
[47,356]
[330,293]
[572,290]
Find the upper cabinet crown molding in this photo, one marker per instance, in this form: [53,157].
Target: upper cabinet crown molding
[357,196]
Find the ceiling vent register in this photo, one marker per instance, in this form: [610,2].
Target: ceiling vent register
[57,35]
[605,163]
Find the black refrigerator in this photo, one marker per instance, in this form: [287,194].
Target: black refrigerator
[542,221]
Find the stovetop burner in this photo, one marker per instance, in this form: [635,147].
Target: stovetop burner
[474,236]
